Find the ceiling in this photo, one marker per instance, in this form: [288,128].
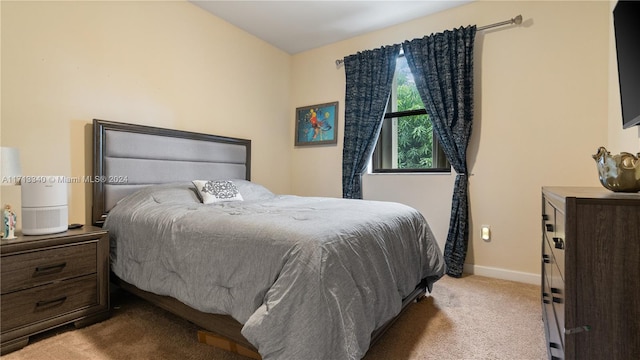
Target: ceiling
[297,26]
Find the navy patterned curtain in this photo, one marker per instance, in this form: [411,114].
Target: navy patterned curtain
[369,75]
[442,66]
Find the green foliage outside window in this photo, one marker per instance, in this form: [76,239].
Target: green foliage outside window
[415,133]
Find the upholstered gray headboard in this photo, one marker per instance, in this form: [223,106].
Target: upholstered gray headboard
[127,157]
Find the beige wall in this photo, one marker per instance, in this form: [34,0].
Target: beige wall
[542,109]
[166,64]
[546,98]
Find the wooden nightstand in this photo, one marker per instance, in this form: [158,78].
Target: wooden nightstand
[52,280]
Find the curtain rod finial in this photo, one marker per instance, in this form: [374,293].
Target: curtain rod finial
[517,20]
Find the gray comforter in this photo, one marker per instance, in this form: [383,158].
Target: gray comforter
[310,278]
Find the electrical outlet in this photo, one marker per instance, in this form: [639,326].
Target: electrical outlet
[486,232]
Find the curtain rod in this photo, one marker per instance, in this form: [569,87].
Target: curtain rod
[516,20]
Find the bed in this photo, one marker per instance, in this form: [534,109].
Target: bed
[290,277]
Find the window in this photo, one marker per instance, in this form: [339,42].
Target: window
[407,142]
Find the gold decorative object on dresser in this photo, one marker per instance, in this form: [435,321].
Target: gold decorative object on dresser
[52,280]
[620,172]
[591,273]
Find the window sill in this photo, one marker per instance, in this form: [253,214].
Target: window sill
[412,172]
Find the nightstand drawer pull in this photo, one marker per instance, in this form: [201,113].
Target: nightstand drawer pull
[50,303]
[50,269]
[549,227]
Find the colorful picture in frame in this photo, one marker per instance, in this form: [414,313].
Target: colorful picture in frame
[317,124]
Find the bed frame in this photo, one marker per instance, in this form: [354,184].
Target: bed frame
[128,157]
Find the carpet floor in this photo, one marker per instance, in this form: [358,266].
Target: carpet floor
[473,317]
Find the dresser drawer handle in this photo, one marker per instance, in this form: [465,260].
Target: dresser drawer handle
[50,269]
[557,300]
[50,303]
[549,227]
[559,242]
[546,259]
[554,345]
[576,330]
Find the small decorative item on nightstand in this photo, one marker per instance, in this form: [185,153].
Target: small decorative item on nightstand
[11,171]
[8,222]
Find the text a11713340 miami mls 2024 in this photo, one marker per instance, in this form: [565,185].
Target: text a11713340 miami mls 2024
[64,179]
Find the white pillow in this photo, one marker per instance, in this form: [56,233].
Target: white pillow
[213,191]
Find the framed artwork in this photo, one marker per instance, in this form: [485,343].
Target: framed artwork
[317,124]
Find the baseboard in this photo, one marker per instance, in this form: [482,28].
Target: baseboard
[503,274]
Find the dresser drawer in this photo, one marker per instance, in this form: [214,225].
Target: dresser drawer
[25,270]
[559,242]
[557,290]
[44,302]
[549,220]
[552,328]
[554,232]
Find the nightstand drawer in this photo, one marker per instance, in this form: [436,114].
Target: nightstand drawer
[26,270]
[44,302]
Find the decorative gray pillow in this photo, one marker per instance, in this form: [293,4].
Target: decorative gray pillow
[213,191]
[253,192]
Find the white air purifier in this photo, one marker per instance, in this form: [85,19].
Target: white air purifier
[44,205]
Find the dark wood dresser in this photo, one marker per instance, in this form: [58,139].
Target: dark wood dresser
[591,273]
[52,280]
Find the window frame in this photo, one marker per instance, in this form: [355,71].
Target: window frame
[376,158]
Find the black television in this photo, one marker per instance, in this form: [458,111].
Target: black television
[626,22]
